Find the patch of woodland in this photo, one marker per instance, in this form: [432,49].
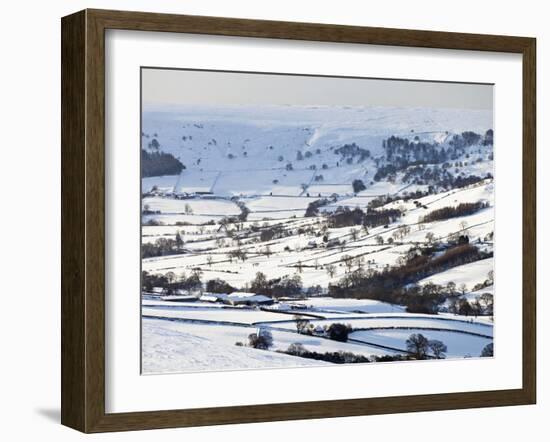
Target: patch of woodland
[158,163]
[463,209]
[396,284]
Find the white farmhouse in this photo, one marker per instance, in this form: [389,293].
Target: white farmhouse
[214,297]
[245,298]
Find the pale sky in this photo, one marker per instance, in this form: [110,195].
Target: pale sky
[194,87]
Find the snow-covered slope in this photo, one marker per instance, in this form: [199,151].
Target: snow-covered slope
[233,150]
[238,209]
[167,347]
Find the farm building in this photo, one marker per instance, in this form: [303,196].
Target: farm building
[245,298]
[181,296]
[214,297]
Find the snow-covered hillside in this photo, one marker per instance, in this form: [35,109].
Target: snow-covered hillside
[380,219]
[234,150]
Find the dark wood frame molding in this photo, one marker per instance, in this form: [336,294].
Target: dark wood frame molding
[83,217]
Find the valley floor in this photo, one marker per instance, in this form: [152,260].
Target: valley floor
[183,337]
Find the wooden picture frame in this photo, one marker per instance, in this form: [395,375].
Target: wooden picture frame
[83,219]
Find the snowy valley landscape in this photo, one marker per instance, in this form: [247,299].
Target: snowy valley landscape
[288,236]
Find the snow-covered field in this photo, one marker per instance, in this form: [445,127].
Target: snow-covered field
[467,274]
[179,337]
[169,347]
[326,305]
[238,209]
[404,321]
[459,345]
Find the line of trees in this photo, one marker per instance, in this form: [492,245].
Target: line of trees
[390,284]
[419,347]
[161,247]
[463,209]
[338,357]
[277,287]
[346,217]
[170,281]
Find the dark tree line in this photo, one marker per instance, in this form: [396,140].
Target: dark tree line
[463,209]
[351,151]
[170,282]
[380,201]
[358,186]
[339,357]
[375,218]
[277,287]
[389,284]
[402,154]
[159,163]
[314,206]
[345,217]
[438,177]
[219,286]
[161,247]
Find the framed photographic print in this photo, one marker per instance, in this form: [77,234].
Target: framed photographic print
[266,221]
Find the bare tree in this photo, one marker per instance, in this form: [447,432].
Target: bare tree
[417,345]
[487,301]
[331,270]
[179,240]
[451,287]
[359,262]
[430,237]
[171,277]
[302,324]
[438,348]
[348,262]
[261,340]
[396,235]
